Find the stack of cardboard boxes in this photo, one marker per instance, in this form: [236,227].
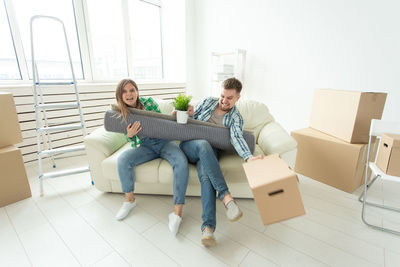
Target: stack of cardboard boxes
[14,184]
[334,149]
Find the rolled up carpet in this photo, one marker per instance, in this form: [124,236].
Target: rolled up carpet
[157,125]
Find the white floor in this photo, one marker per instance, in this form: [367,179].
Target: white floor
[73,225]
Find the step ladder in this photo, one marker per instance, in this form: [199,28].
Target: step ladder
[43,128]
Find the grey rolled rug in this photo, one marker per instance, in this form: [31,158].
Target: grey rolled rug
[164,126]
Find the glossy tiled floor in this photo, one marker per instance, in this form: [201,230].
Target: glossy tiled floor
[73,225]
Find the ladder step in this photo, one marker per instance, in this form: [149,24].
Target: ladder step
[61,123]
[64,172]
[61,150]
[59,128]
[55,106]
[54,83]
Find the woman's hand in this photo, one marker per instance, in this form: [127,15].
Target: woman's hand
[133,129]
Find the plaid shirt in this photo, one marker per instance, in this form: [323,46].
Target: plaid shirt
[233,120]
[149,105]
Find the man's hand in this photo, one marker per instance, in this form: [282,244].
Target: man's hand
[133,129]
[255,158]
[190,111]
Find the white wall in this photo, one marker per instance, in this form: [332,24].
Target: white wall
[295,46]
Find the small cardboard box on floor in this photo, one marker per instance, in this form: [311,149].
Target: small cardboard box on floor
[14,184]
[388,159]
[330,160]
[275,189]
[346,114]
[10,132]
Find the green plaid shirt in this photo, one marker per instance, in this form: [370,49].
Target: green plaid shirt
[149,105]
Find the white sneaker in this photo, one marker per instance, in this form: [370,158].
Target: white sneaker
[207,238]
[233,211]
[125,209]
[174,223]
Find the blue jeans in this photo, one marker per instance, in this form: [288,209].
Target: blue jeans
[210,176]
[152,148]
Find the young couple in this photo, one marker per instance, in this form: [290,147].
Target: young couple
[220,111]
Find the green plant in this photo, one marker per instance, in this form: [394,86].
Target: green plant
[182,102]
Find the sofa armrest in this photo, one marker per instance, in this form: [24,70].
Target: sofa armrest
[99,145]
[105,142]
[274,139]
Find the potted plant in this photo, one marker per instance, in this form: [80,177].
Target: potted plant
[181,104]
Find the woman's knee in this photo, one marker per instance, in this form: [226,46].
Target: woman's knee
[180,163]
[181,157]
[204,146]
[122,162]
[174,155]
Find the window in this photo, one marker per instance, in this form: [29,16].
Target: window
[107,39]
[145,32]
[8,61]
[128,42]
[50,50]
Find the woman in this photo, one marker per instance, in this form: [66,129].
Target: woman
[146,149]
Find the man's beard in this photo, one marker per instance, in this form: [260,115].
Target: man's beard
[224,108]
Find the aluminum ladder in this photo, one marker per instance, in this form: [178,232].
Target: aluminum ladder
[42,126]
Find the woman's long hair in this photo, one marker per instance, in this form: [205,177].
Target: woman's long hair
[123,108]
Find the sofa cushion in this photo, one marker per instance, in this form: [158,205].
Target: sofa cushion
[255,115]
[165,106]
[166,173]
[145,173]
[274,139]
[159,170]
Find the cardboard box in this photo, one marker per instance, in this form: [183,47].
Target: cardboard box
[275,189]
[330,160]
[388,159]
[10,132]
[346,114]
[14,185]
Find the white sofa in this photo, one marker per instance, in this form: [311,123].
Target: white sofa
[155,177]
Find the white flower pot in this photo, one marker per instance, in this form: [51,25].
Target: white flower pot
[181,117]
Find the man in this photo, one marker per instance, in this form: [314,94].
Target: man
[220,111]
